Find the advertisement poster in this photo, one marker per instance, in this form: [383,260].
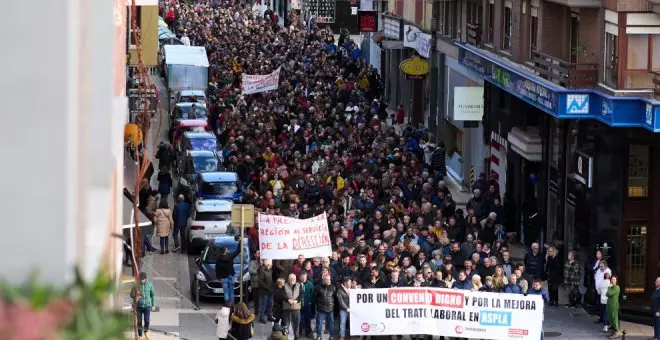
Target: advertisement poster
[445,312]
[368,21]
[260,83]
[284,238]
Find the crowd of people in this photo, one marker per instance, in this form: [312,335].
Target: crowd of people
[324,142]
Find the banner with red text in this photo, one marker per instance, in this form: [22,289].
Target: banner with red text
[445,312]
[260,83]
[283,238]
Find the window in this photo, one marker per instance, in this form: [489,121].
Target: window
[448,22]
[534,30]
[577,47]
[635,259]
[508,26]
[655,52]
[611,58]
[474,13]
[138,20]
[638,171]
[638,52]
[473,26]
[491,20]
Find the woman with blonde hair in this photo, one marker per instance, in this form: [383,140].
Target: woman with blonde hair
[499,279]
[242,322]
[476,283]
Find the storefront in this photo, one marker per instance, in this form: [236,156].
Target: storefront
[579,167]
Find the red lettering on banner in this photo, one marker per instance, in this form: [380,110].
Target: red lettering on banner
[408,297]
[266,245]
[273,232]
[310,241]
[448,299]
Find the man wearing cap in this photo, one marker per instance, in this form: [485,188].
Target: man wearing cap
[145,295]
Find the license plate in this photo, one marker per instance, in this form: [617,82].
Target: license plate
[217,290]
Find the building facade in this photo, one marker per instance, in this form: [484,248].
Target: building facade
[147,24]
[570,126]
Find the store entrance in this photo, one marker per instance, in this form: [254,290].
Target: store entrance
[523,189]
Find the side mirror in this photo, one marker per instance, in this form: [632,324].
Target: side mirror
[198,260]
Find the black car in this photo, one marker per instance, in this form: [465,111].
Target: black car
[205,284]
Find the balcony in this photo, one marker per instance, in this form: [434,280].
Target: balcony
[656,84]
[473,33]
[565,74]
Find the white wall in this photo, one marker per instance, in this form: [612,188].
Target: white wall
[56,88]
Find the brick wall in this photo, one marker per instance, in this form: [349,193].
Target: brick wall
[554,27]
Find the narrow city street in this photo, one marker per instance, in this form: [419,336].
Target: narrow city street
[176,316]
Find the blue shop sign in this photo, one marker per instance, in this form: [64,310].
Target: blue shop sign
[558,101]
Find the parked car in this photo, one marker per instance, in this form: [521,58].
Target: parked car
[205,284]
[187,125]
[208,219]
[186,111]
[197,141]
[192,163]
[219,185]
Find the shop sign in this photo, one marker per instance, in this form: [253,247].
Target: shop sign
[649,115]
[415,38]
[534,93]
[415,67]
[468,103]
[583,166]
[577,104]
[368,21]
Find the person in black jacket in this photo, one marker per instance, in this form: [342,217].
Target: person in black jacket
[655,309]
[324,299]
[224,270]
[344,306]
[554,270]
[375,280]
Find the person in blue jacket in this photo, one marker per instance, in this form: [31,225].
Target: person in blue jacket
[463,283]
[537,289]
[512,287]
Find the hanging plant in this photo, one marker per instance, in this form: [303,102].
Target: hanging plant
[38,311]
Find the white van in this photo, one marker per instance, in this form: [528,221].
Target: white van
[208,219]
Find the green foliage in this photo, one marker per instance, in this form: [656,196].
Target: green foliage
[88,319]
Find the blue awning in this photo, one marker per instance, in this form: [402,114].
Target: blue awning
[558,101]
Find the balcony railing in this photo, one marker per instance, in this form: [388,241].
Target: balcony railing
[473,34]
[565,74]
[656,84]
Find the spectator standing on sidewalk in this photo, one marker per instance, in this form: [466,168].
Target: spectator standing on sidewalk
[534,263]
[164,223]
[324,299]
[242,323]
[146,298]
[291,304]
[613,293]
[602,288]
[265,279]
[655,309]
[553,272]
[572,279]
[223,322]
[181,215]
[599,277]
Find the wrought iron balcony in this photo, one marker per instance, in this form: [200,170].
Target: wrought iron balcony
[656,84]
[473,34]
[565,74]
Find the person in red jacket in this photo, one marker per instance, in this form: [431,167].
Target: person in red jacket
[170,17]
[399,116]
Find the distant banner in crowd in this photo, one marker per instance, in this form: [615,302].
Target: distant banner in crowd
[415,38]
[260,83]
[445,312]
[282,238]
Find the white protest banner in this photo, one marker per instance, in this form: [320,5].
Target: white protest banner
[445,312]
[260,83]
[284,238]
[415,38]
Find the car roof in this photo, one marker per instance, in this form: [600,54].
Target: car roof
[196,134]
[219,176]
[220,241]
[213,205]
[198,93]
[186,104]
[201,153]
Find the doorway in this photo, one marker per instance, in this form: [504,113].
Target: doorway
[635,252]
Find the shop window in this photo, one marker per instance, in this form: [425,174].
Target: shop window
[612,59]
[635,259]
[643,50]
[491,21]
[508,26]
[638,171]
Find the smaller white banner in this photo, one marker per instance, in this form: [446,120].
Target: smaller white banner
[413,37]
[284,238]
[260,83]
[445,312]
[468,103]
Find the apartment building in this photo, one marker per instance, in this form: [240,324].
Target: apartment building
[557,102]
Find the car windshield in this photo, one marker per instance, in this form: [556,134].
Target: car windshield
[219,188]
[212,216]
[191,99]
[205,163]
[189,112]
[211,254]
[203,144]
